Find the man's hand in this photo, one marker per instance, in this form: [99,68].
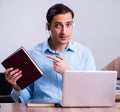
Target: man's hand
[12,76]
[60,64]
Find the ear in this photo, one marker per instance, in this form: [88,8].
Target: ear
[48,26]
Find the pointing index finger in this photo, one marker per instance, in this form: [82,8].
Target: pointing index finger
[51,57]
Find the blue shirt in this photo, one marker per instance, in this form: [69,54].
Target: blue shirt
[49,86]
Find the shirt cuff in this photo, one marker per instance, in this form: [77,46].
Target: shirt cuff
[15,95]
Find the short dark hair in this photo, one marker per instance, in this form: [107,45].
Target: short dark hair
[58,9]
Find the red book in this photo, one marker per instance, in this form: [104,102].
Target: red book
[21,59]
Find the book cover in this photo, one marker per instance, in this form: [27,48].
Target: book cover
[21,59]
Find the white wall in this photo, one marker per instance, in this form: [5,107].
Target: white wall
[22,22]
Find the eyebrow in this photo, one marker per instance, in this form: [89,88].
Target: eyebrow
[65,22]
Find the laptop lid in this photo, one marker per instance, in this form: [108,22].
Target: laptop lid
[89,88]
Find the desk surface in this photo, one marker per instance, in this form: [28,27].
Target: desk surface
[16,107]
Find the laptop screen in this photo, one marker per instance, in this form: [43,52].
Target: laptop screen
[89,88]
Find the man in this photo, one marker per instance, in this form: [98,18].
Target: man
[53,56]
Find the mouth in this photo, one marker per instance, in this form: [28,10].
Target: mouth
[63,37]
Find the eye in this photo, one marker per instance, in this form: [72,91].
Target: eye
[57,25]
[69,24]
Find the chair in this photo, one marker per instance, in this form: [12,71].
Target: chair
[5,90]
[115,65]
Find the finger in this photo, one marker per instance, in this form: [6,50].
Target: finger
[17,74]
[17,77]
[8,70]
[13,78]
[14,71]
[59,57]
[52,57]
[55,63]
[11,75]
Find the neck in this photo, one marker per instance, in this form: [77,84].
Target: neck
[57,47]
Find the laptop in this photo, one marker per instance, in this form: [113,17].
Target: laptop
[89,88]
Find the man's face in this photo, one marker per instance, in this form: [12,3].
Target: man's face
[61,28]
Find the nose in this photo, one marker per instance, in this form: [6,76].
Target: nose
[64,29]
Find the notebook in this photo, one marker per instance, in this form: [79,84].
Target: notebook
[89,88]
[22,60]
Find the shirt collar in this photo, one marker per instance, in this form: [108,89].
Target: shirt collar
[70,46]
[46,47]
